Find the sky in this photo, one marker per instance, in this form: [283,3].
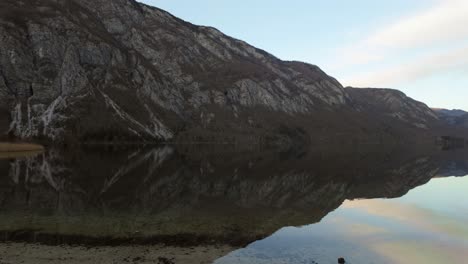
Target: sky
[417,46]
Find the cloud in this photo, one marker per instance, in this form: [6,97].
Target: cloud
[426,43]
[443,23]
[451,61]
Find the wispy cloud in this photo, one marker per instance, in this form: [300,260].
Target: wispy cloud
[416,46]
[445,22]
[451,61]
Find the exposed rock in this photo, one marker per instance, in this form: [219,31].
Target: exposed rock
[88,67]
[98,70]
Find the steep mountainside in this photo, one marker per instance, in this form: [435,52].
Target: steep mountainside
[394,104]
[94,70]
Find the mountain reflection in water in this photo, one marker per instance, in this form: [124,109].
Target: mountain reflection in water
[196,196]
[427,225]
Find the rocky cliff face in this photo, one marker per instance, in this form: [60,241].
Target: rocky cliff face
[393,104]
[99,70]
[123,70]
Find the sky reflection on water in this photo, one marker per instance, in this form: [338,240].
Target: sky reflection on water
[428,225]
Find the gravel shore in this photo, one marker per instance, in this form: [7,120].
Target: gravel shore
[13,253]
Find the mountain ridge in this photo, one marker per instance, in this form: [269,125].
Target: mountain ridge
[100,71]
[393,103]
[454,117]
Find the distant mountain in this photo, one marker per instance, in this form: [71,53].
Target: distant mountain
[453,117]
[394,104]
[99,70]
[447,112]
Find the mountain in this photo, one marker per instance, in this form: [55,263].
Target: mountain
[451,113]
[394,104]
[454,117]
[98,70]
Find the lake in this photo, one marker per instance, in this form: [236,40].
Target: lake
[428,225]
[220,204]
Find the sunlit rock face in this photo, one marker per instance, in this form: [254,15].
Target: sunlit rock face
[81,70]
[90,67]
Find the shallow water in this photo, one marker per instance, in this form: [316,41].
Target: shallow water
[368,205]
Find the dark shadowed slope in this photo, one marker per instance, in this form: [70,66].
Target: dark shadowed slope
[394,104]
[458,118]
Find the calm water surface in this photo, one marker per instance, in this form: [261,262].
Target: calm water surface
[367,205]
[428,225]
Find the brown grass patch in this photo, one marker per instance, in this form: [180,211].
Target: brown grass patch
[18,154]
[20,147]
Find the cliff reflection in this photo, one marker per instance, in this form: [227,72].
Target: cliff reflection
[192,196]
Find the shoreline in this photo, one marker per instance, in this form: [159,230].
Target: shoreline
[19,150]
[26,253]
